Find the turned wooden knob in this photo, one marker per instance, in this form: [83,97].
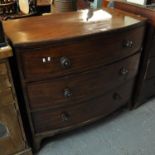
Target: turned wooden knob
[65,116]
[128,43]
[124,71]
[67,92]
[116,96]
[65,62]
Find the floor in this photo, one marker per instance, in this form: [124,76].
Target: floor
[124,133]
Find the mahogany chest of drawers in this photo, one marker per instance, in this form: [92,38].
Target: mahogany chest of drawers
[12,137]
[74,69]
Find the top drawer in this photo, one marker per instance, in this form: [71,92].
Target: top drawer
[80,54]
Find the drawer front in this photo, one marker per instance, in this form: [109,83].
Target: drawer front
[73,89]
[6,97]
[11,138]
[79,55]
[52,119]
[150,68]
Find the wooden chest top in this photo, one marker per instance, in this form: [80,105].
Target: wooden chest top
[56,27]
[145,11]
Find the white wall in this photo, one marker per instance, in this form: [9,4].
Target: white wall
[141,2]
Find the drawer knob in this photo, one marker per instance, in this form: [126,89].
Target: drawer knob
[65,62]
[116,96]
[124,71]
[67,92]
[65,116]
[128,43]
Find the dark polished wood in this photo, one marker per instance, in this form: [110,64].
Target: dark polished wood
[78,54]
[83,87]
[76,26]
[145,87]
[138,10]
[75,70]
[53,119]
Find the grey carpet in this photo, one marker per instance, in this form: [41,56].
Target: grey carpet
[126,133]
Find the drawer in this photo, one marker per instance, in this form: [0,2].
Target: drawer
[80,54]
[150,68]
[3,69]
[77,88]
[53,119]
[11,138]
[6,97]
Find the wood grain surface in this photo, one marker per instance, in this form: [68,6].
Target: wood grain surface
[92,54]
[61,26]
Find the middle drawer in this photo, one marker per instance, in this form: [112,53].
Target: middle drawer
[77,88]
[79,55]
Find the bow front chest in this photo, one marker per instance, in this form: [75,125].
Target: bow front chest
[75,68]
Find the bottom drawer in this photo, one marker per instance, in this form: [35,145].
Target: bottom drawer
[52,119]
